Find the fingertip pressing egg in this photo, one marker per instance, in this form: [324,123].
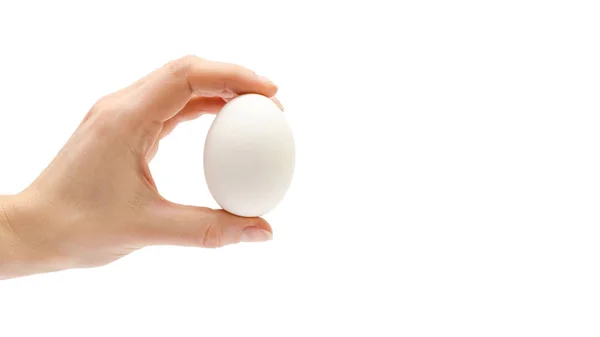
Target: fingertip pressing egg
[249,156]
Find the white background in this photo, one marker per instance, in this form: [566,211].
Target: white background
[447,179]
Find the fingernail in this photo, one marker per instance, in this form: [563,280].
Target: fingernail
[255,234]
[274,99]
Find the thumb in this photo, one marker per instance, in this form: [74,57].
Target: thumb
[203,227]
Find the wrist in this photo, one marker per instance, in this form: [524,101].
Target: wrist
[19,254]
[9,242]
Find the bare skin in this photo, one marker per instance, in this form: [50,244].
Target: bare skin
[97,201]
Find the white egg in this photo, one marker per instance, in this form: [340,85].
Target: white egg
[249,156]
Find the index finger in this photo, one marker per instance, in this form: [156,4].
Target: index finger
[168,89]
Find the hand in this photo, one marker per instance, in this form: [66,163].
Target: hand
[97,202]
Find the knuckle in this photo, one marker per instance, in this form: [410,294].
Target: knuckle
[211,236]
[181,65]
[232,74]
[107,115]
[97,115]
[102,105]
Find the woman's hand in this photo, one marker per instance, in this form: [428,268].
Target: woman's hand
[97,201]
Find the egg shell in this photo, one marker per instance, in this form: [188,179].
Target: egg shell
[249,156]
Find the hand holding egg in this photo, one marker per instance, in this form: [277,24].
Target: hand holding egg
[97,200]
